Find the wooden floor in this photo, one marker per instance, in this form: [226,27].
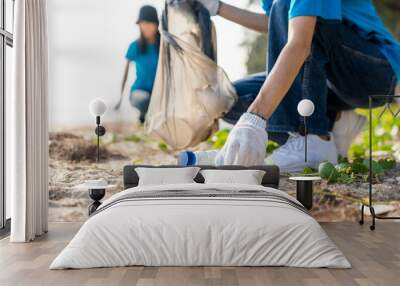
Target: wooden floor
[375,257]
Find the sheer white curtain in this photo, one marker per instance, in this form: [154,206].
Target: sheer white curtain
[27,123]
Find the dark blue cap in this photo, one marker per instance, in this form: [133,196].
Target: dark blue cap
[148,14]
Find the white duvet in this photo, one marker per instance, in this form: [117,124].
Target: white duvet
[200,231]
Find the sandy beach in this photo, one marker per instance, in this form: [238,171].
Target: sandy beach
[72,155]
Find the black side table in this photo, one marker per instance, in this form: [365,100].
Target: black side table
[96,193]
[304,190]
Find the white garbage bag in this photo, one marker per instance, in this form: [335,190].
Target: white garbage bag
[191,92]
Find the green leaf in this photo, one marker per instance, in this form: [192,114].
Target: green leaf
[377,169]
[219,138]
[325,170]
[358,166]
[328,172]
[133,138]
[309,171]
[344,168]
[271,146]
[358,150]
[137,161]
[163,146]
[342,159]
[387,164]
[345,179]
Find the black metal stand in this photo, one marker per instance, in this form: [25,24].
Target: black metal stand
[304,193]
[305,139]
[370,203]
[96,195]
[100,131]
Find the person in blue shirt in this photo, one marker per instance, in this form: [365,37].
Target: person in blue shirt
[333,52]
[144,53]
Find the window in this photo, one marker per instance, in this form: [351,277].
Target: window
[6,44]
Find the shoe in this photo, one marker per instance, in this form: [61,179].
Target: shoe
[290,157]
[142,117]
[346,129]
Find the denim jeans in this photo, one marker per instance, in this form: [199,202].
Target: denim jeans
[140,99]
[342,70]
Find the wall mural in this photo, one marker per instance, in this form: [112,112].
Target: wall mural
[98,55]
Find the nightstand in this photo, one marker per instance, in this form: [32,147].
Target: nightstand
[304,190]
[97,192]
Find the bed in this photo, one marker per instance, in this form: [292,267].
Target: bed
[198,224]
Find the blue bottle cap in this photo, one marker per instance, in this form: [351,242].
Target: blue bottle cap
[187,158]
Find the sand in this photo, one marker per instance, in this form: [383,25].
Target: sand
[72,161]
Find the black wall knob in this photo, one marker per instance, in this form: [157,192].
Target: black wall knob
[100,130]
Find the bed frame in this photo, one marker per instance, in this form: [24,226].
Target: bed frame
[270,179]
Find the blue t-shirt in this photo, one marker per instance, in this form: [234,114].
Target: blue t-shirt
[146,65]
[361,13]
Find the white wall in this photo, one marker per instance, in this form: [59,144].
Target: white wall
[88,41]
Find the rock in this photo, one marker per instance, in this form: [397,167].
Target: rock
[391,181]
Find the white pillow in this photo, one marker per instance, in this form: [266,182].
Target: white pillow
[166,176]
[248,177]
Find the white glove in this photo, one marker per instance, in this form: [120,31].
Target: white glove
[246,142]
[211,5]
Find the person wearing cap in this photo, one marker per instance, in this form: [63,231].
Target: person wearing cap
[143,52]
[333,52]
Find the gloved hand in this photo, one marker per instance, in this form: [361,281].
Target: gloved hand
[246,142]
[211,5]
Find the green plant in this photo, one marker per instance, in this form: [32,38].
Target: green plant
[358,166]
[377,169]
[271,146]
[349,172]
[163,146]
[219,138]
[133,138]
[137,161]
[309,171]
[345,178]
[344,168]
[386,132]
[328,172]
[388,163]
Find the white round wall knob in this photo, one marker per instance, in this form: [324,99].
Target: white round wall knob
[305,107]
[97,107]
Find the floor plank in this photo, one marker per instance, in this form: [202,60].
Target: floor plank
[375,257]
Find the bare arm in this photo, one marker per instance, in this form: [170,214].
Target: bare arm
[251,20]
[125,77]
[287,67]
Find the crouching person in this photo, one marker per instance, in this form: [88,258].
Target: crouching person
[144,53]
[335,53]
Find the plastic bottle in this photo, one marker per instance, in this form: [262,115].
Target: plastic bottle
[189,158]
